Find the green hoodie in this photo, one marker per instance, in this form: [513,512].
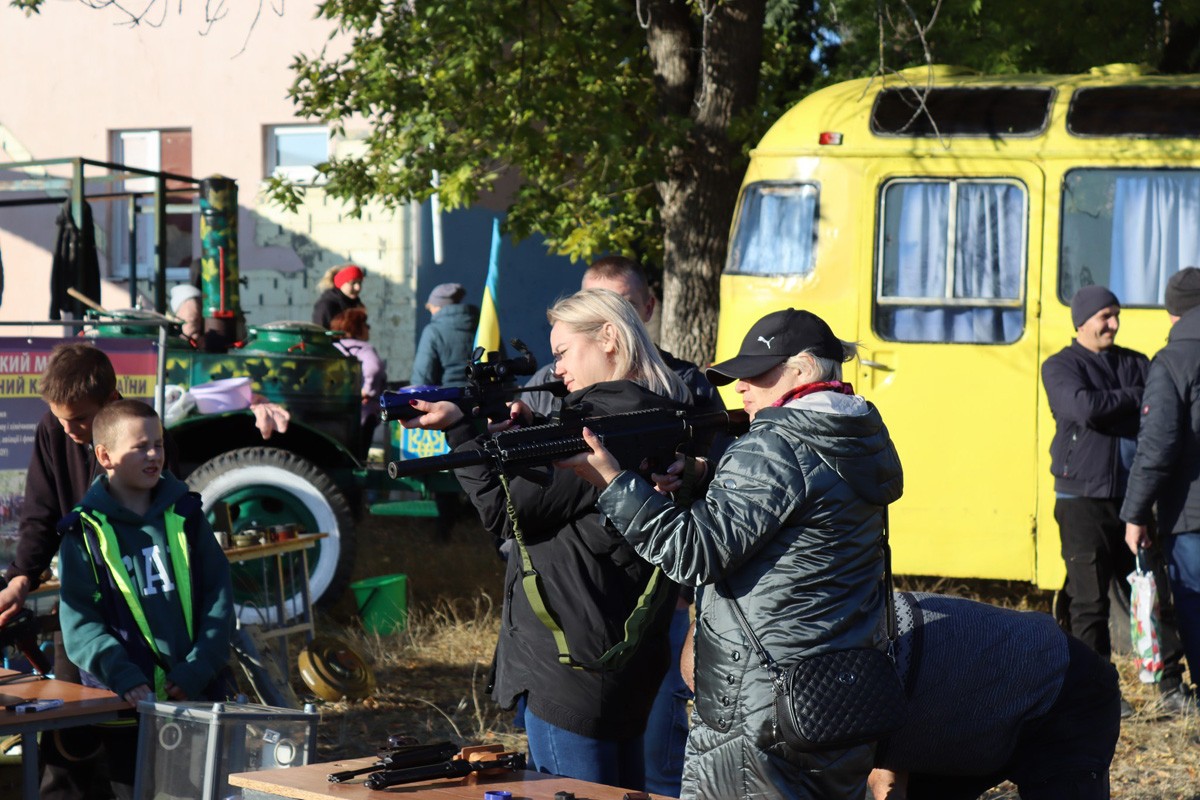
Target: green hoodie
[96,643]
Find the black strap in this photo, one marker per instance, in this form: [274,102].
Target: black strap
[769,664]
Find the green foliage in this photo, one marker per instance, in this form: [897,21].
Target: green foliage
[1008,36]
[30,7]
[560,92]
[456,93]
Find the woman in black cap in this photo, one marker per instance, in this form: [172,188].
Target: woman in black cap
[789,529]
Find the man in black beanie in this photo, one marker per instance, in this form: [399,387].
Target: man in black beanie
[1166,469]
[1094,388]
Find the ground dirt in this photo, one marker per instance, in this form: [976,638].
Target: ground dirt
[431,676]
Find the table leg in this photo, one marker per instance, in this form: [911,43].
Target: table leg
[281,619]
[30,786]
[306,597]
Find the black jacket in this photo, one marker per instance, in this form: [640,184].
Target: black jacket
[331,303]
[1095,399]
[75,263]
[592,579]
[60,472]
[1167,466]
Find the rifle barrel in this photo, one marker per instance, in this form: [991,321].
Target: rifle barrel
[418,466]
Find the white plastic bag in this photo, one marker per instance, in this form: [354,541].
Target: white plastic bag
[1143,625]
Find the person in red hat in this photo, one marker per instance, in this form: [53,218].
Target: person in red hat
[342,286]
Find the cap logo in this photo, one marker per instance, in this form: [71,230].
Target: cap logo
[767,342]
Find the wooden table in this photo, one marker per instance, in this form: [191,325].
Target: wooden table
[82,705]
[309,783]
[276,552]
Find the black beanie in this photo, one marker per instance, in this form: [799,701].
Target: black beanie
[1183,291]
[1088,300]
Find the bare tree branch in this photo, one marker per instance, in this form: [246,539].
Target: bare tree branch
[214,12]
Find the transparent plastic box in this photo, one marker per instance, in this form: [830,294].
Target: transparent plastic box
[187,750]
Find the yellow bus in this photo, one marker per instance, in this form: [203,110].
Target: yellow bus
[944,219]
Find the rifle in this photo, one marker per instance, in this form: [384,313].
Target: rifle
[402,757]
[633,437]
[489,387]
[488,758]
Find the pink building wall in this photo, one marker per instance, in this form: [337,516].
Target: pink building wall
[71,75]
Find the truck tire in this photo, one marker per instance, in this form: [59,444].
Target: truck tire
[272,486]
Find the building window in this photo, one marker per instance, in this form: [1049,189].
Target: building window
[294,151]
[776,230]
[161,151]
[952,261]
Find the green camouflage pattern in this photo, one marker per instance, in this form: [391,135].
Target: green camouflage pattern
[323,391]
[218,233]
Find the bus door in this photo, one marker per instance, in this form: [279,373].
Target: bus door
[950,357]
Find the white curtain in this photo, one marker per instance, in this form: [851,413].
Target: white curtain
[920,258]
[1155,233]
[988,261]
[776,231]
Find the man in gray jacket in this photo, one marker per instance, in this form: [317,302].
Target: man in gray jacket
[1166,469]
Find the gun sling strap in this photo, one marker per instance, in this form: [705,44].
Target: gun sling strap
[616,656]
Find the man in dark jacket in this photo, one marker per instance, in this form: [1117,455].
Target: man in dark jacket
[1166,469]
[1095,389]
[444,349]
[996,695]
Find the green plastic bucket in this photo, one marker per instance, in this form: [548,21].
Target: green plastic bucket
[382,603]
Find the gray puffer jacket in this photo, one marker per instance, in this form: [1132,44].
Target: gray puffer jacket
[790,525]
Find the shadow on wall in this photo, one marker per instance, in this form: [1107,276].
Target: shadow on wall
[530,279]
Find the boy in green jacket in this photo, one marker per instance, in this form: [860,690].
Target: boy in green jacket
[147,603]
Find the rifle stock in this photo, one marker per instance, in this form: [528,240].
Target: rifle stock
[631,437]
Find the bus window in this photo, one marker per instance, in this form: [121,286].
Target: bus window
[980,111]
[776,230]
[952,262]
[1129,230]
[1167,111]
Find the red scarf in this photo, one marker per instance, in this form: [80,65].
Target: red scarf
[811,388]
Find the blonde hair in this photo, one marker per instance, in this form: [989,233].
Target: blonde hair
[826,368]
[326,281]
[637,358]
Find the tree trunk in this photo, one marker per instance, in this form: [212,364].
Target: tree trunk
[706,70]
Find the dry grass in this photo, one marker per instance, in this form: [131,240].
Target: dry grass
[432,677]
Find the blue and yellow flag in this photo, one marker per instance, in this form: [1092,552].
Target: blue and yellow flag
[487,335]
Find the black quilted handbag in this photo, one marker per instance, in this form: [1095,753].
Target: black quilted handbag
[841,698]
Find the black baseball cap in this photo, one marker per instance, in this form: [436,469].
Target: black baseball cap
[774,339]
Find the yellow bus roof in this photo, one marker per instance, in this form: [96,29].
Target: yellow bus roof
[845,108]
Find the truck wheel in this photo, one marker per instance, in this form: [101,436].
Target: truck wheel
[269,487]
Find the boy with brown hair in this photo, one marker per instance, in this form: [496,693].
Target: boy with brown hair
[147,603]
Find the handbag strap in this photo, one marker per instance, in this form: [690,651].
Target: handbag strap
[769,664]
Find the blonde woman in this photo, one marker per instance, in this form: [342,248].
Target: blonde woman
[582,723]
